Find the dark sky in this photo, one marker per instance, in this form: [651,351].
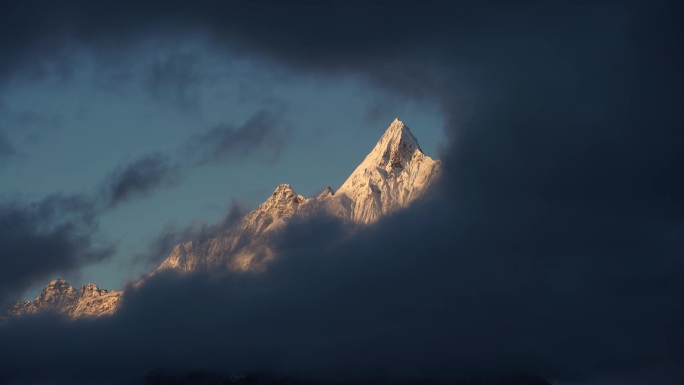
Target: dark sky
[552,244]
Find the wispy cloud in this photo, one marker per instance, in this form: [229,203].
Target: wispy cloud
[140,178]
[264,135]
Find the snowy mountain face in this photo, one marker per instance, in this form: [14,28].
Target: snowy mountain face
[239,248]
[394,173]
[59,296]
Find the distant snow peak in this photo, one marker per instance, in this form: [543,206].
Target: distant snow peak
[283,189]
[283,195]
[283,203]
[59,296]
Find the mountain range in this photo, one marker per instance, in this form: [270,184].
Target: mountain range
[393,174]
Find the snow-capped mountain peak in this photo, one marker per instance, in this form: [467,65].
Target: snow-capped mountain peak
[393,174]
[394,149]
[283,202]
[56,293]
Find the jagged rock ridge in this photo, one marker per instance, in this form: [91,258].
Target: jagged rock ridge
[60,297]
[238,247]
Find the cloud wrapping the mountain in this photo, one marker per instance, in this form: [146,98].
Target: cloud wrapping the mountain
[39,240]
[172,234]
[419,294]
[551,246]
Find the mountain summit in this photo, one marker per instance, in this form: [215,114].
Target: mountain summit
[394,150]
[392,175]
[396,147]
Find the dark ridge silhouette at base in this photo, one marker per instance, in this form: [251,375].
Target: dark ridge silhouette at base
[207,378]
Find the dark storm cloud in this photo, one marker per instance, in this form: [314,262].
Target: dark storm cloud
[418,295]
[265,132]
[31,34]
[140,178]
[171,235]
[41,239]
[552,246]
